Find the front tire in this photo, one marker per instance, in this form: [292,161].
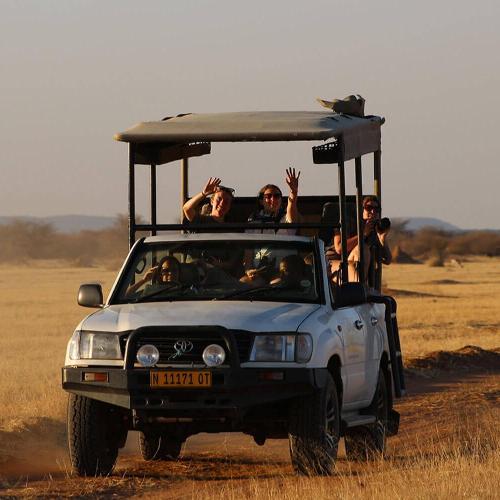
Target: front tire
[314,431]
[369,442]
[95,434]
[159,446]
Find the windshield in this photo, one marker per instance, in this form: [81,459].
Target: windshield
[279,271]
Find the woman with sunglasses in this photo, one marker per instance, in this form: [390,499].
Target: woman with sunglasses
[270,209]
[375,231]
[270,206]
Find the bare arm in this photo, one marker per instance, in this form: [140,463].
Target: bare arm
[133,288]
[351,243]
[292,179]
[386,251]
[191,206]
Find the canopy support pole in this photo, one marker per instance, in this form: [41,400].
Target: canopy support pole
[153,197]
[377,180]
[377,185]
[343,229]
[359,219]
[131,195]
[184,184]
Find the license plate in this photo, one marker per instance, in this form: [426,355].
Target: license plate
[180,379]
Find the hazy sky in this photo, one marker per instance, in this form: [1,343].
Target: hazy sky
[76,72]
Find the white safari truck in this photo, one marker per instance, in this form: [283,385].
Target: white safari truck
[303,359]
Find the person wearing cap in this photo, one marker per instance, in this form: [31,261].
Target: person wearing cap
[223,260]
[375,231]
[221,198]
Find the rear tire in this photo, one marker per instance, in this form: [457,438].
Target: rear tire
[95,432]
[159,446]
[315,431]
[369,442]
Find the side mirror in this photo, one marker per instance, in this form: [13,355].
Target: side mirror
[349,294]
[90,295]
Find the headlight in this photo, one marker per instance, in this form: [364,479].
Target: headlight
[303,348]
[214,355]
[99,346]
[148,355]
[74,345]
[282,348]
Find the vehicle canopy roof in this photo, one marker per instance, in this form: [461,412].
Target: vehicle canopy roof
[360,135]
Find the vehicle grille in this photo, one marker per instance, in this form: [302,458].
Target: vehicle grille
[165,341]
[244,341]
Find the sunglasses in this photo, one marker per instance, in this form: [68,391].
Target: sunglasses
[268,196]
[371,208]
[167,270]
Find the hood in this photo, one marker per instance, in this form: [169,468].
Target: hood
[241,315]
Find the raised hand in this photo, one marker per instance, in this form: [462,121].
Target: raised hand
[211,186]
[292,180]
[150,273]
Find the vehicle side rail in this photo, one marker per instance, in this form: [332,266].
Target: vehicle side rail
[227,227]
[391,323]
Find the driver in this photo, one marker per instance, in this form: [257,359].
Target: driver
[164,275]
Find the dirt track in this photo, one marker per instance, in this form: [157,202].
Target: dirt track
[438,401]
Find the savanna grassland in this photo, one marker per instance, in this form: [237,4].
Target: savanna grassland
[449,441]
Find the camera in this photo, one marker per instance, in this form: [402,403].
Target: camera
[383,224]
[374,226]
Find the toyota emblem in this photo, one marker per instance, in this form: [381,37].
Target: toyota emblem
[181,346]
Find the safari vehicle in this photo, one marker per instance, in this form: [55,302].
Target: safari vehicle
[304,360]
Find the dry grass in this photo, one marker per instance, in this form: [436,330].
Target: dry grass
[451,473]
[445,308]
[39,313]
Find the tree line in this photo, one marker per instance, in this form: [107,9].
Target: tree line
[22,240]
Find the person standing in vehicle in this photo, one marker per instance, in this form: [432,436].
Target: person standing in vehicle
[270,205]
[271,210]
[375,231]
[221,200]
[224,259]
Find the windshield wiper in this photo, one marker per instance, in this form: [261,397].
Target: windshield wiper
[249,291]
[176,288]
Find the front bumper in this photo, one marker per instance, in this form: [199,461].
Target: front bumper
[234,391]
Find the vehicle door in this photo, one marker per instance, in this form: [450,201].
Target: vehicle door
[368,373]
[354,334]
[347,322]
[376,335]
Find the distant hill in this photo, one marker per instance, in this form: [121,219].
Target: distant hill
[416,223]
[67,223]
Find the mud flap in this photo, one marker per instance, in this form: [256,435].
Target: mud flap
[393,423]
[391,324]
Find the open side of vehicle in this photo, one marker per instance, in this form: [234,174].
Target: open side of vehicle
[312,362]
